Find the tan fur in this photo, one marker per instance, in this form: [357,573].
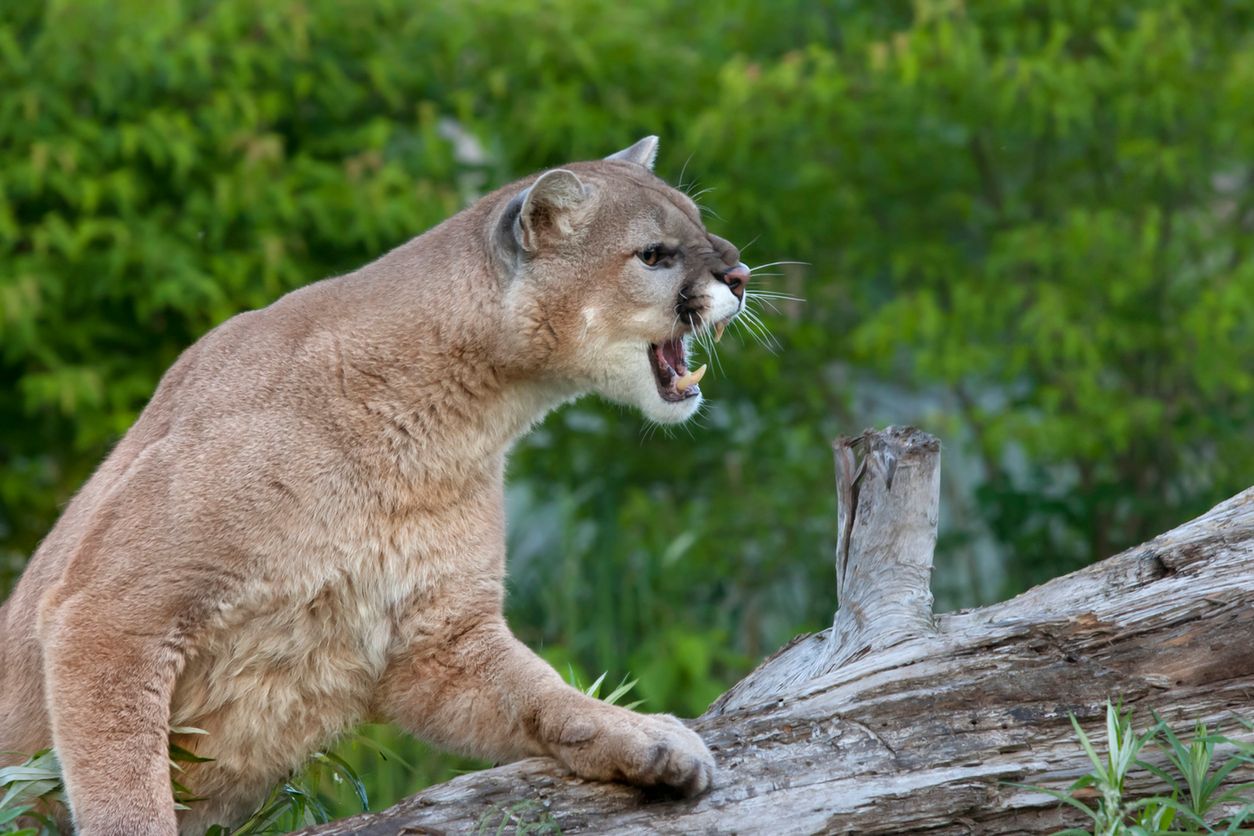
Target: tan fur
[304,529]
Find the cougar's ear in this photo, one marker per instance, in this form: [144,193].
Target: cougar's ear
[642,153]
[545,209]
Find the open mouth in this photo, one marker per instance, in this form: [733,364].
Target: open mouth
[669,361]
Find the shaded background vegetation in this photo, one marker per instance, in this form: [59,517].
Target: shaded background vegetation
[1027,228]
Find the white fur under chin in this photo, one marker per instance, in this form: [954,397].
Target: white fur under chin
[629,381]
[670,412]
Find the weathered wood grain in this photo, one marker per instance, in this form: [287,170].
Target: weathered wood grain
[888,508]
[920,728]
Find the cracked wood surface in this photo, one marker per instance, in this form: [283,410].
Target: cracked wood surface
[888,507]
[925,733]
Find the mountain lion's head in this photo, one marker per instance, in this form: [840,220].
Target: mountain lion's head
[609,275]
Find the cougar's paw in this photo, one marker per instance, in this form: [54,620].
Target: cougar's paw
[678,758]
[648,750]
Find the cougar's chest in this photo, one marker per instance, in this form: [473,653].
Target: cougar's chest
[293,659]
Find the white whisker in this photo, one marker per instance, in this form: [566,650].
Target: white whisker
[713,351]
[777,263]
[707,344]
[680,178]
[755,325]
[767,303]
[772,294]
[695,420]
[772,343]
[706,210]
[744,329]
[745,321]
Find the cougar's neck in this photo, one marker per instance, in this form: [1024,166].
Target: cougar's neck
[424,346]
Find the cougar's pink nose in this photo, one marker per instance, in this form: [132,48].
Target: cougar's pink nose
[736,278]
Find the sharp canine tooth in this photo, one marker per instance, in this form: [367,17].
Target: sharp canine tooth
[718,331]
[691,379]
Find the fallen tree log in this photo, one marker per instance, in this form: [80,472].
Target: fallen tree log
[895,720]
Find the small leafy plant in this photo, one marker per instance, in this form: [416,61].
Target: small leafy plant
[1198,801]
[613,697]
[300,800]
[26,791]
[31,788]
[524,817]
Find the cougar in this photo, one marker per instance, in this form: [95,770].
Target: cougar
[304,529]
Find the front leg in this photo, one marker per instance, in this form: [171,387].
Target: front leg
[109,676]
[475,688]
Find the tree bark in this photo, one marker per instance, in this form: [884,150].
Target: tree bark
[897,721]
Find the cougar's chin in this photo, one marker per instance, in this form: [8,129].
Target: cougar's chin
[671,412]
[654,378]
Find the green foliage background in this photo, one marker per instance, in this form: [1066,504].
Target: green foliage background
[1027,224]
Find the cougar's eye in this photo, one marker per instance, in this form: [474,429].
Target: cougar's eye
[654,255]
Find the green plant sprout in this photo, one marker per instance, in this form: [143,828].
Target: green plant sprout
[36,786]
[524,817]
[1198,800]
[623,688]
[29,788]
